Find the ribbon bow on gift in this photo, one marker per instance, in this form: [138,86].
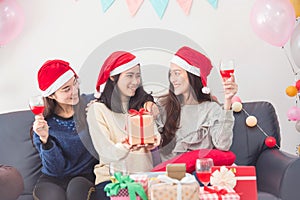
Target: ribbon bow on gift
[188,179]
[218,192]
[122,182]
[141,112]
[224,177]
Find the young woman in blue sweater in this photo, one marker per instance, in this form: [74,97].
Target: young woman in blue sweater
[61,136]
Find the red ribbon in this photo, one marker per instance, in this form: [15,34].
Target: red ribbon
[141,112]
[218,192]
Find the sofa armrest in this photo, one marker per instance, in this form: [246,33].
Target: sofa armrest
[278,173]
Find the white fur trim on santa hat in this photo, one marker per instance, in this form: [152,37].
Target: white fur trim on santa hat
[58,83]
[185,65]
[124,67]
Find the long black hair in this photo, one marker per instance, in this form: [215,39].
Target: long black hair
[112,99]
[172,104]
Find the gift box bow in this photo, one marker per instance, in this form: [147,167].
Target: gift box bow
[141,112]
[188,179]
[225,177]
[122,182]
[219,192]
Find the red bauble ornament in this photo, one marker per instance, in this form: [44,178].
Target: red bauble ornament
[270,141]
[298,85]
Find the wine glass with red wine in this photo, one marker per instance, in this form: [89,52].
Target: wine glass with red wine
[36,104]
[203,170]
[226,68]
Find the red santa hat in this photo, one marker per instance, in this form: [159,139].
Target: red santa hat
[116,63]
[195,63]
[52,75]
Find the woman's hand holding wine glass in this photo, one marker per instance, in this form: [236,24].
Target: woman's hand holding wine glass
[40,126]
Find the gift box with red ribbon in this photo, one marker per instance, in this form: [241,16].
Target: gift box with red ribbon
[140,127]
[217,193]
[245,176]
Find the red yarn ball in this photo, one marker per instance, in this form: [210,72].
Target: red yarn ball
[270,141]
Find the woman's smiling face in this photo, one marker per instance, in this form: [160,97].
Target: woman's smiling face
[129,81]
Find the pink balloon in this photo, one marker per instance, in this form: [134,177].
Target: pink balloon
[11,20]
[294,113]
[273,20]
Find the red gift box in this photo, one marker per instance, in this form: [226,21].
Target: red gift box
[140,127]
[246,185]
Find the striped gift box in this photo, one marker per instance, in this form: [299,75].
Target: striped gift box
[216,194]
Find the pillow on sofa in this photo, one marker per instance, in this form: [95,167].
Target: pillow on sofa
[189,158]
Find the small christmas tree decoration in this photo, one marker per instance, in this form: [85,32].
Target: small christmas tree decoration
[251,121]
[270,141]
[291,91]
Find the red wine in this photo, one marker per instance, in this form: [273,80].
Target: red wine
[204,177]
[226,73]
[37,109]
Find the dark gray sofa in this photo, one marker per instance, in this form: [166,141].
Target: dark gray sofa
[277,171]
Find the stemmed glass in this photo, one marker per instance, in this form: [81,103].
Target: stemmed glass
[118,166]
[226,68]
[203,169]
[36,104]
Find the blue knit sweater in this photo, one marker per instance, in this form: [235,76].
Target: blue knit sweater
[65,153]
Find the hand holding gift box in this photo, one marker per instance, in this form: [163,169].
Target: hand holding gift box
[125,182]
[140,127]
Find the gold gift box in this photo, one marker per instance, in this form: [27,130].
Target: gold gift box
[176,171]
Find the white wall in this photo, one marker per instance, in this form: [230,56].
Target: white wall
[71,30]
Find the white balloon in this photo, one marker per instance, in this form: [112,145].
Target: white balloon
[295,45]
[297,125]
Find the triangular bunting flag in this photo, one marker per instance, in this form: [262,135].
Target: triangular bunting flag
[159,6]
[106,4]
[134,5]
[185,5]
[214,3]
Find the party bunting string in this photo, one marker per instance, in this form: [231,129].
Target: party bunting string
[185,5]
[159,6]
[134,5]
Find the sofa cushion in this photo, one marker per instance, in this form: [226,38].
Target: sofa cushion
[16,147]
[248,143]
[189,158]
[11,183]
